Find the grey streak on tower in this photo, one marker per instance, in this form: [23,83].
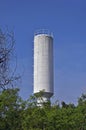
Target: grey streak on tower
[43,65]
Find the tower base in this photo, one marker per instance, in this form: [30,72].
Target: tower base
[44,98]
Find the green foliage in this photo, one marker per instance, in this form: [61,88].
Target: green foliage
[10,110]
[16,114]
[82,99]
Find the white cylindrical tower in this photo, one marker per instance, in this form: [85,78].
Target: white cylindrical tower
[43,65]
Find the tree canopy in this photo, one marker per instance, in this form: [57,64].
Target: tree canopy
[17,114]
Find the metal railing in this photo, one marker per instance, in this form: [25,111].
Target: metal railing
[43,31]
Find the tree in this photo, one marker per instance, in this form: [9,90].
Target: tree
[6,52]
[11,108]
[82,99]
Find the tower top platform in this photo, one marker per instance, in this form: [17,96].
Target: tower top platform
[43,32]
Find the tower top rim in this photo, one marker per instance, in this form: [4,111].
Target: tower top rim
[43,32]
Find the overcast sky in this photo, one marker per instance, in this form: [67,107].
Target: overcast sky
[66,19]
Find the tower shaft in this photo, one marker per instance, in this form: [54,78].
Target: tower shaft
[43,65]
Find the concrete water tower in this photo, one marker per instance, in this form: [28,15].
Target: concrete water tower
[43,65]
